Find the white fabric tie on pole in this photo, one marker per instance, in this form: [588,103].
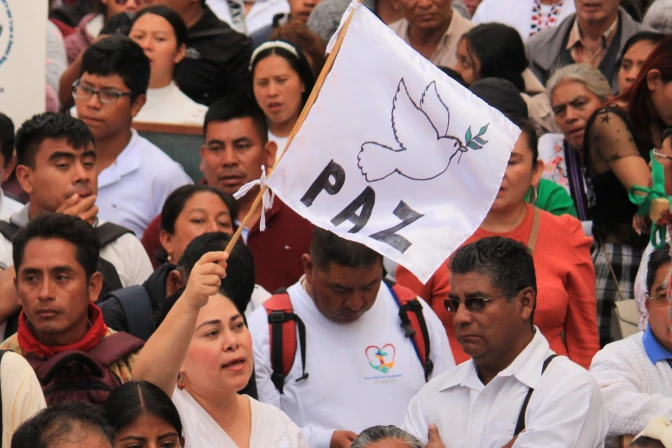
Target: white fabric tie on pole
[266,198]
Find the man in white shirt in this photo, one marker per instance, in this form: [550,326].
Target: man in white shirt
[57,168]
[482,403]
[135,177]
[635,374]
[8,206]
[360,367]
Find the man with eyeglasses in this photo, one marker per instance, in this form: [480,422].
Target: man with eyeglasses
[635,374]
[514,391]
[356,365]
[135,177]
[662,155]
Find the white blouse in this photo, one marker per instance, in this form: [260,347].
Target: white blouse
[170,106]
[270,426]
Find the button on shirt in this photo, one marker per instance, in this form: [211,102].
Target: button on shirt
[636,383]
[565,410]
[132,190]
[349,387]
[445,54]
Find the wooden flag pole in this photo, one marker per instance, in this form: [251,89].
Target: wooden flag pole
[304,114]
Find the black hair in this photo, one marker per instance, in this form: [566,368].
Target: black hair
[658,258]
[50,226]
[118,55]
[500,50]
[650,36]
[53,424]
[6,138]
[128,402]
[298,62]
[508,264]
[454,74]
[119,23]
[176,201]
[327,247]
[49,125]
[667,133]
[527,127]
[231,107]
[172,17]
[646,442]
[239,282]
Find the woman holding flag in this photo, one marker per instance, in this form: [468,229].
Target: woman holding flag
[565,311]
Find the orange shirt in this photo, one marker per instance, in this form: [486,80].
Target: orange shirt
[565,282]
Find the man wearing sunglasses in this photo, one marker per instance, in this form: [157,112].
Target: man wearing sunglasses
[635,374]
[514,389]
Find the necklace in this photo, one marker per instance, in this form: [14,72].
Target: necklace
[541,20]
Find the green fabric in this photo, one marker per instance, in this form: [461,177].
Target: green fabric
[643,197]
[554,199]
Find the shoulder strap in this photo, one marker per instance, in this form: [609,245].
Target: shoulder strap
[137,307]
[520,425]
[536,222]
[111,279]
[282,325]
[114,347]
[414,325]
[110,232]
[8,230]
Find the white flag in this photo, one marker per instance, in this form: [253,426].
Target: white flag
[394,154]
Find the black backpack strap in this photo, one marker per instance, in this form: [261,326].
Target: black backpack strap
[520,425]
[137,307]
[109,232]
[111,280]
[8,230]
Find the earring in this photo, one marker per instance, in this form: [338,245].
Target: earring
[169,259]
[180,381]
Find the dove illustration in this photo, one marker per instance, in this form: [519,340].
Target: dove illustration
[424,148]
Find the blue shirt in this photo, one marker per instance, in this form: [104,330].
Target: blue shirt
[654,349]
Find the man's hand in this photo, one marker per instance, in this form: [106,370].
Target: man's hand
[342,439]
[434,438]
[84,209]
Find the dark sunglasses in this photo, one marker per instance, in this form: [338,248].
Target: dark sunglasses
[473,304]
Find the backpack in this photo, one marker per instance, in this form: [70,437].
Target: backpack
[106,233]
[283,323]
[137,307]
[75,375]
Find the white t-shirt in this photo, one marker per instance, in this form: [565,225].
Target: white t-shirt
[270,426]
[8,206]
[132,190]
[516,14]
[279,141]
[260,15]
[169,105]
[349,388]
[565,409]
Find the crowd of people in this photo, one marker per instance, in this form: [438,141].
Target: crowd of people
[127,323]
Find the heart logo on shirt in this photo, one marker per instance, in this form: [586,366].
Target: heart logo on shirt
[381,359]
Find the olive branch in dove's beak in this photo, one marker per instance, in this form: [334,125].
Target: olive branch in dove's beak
[266,198]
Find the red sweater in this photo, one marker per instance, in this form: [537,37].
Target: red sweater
[565,282]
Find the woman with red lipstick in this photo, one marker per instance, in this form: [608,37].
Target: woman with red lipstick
[282,81]
[565,310]
[201,356]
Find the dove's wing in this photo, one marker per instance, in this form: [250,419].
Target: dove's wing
[434,107]
[412,127]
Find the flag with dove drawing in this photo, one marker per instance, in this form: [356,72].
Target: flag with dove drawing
[394,154]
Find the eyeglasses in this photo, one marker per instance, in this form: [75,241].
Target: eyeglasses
[659,156]
[658,299]
[106,96]
[473,304]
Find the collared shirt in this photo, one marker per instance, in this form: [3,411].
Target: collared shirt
[581,53]
[565,409]
[654,349]
[260,14]
[8,206]
[362,373]
[132,190]
[446,52]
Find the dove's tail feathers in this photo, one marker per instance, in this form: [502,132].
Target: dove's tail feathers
[376,161]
